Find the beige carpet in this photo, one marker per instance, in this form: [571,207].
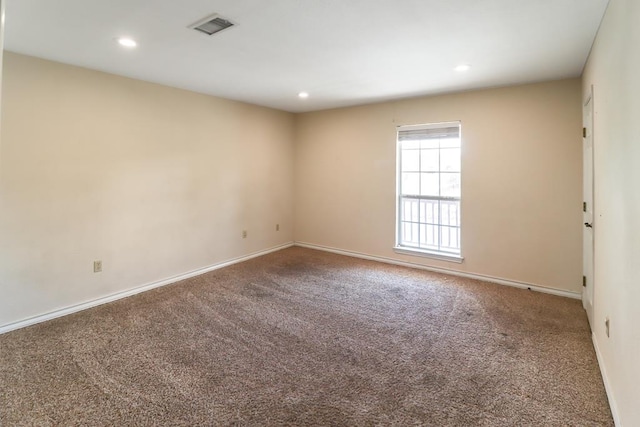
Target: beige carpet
[301,337]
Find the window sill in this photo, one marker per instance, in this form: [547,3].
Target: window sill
[428,254]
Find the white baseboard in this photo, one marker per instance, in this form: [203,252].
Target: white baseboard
[143,288]
[607,384]
[498,280]
[146,287]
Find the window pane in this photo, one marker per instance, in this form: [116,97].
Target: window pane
[454,214]
[406,232]
[431,237]
[415,205]
[450,185]
[430,160]
[423,211]
[444,213]
[430,183]
[450,160]
[444,236]
[449,142]
[410,233]
[450,213]
[411,183]
[431,211]
[410,160]
[410,210]
[407,145]
[455,238]
[450,239]
[406,210]
[430,143]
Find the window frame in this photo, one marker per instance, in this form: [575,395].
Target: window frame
[423,252]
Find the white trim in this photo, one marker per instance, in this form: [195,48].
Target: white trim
[483,277]
[400,195]
[139,289]
[426,254]
[607,384]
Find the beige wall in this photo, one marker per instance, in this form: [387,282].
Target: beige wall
[613,69]
[521,188]
[153,181]
[157,182]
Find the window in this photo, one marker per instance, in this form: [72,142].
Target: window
[429,177]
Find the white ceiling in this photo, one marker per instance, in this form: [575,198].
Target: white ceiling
[343,52]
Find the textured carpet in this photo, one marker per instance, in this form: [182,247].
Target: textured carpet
[301,337]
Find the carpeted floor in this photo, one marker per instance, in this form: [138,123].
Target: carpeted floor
[301,337]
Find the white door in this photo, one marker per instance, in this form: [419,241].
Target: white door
[587,233]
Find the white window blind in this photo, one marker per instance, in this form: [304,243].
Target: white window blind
[413,133]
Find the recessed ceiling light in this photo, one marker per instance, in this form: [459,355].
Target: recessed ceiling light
[303,95]
[462,68]
[127,42]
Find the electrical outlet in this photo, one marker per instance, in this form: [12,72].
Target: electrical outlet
[277,227]
[97,266]
[244,234]
[606,326]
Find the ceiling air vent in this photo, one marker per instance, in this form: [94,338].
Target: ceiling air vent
[211,25]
